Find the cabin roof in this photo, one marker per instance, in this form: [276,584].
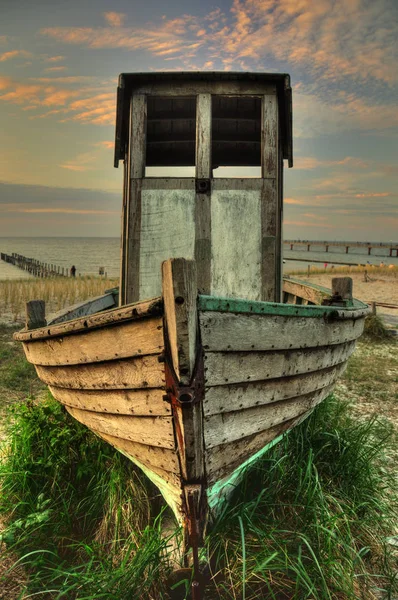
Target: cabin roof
[128,82]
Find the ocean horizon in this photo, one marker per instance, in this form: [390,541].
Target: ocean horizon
[88,254]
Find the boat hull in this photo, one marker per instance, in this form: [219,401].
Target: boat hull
[191,391]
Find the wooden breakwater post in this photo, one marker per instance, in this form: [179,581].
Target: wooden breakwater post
[34,266]
[35,314]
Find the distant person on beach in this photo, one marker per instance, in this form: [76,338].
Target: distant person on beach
[325,265]
[73,271]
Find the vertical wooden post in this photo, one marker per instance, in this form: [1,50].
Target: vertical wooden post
[35,314]
[180,291]
[203,193]
[342,286]
[185,386]
[270,210]
[131,231]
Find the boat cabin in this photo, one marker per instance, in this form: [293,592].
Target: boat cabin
[203,179]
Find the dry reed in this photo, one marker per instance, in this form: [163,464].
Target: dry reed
[57,292]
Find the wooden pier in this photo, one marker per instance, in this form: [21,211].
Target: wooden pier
[392,247]
[34,266]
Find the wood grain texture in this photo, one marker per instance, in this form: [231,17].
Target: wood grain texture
[133,243]
[129,339]
[130,373]
[131,312]
[238,332]
[203,241]
[88,307]
[144,403]
[35,314]
[307,292]
[162,461]
[269,235]
[138,136]
[227,398]
[179,297]
[240,367]
[152,431]
[168,231]
[224,459]
[269,136]
[228,427]
[177,88]
[203,136]
[236,244]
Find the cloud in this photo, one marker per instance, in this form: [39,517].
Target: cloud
[107,144]
[308,224]
[114,19]
[55,58]
[66,211]
[51,69]
[311,162]
[86,104]
[329,41]
[14,54]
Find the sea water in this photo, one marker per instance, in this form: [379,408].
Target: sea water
[91,253]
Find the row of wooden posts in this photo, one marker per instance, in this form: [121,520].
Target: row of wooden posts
[34,266]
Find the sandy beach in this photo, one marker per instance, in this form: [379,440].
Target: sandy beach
[379,288]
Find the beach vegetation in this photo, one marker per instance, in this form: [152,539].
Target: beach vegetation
[57,292]
[310,520]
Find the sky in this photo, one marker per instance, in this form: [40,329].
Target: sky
[59,66]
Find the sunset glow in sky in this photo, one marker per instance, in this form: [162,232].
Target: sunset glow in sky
[59,65]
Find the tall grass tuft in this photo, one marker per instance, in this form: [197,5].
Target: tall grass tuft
[308,521]
[81,517]
[58,292]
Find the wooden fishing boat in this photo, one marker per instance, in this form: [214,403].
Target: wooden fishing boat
[205,359]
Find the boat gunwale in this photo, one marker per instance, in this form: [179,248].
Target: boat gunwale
[154,307]
[114,316]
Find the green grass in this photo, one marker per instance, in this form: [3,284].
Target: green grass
[307,522]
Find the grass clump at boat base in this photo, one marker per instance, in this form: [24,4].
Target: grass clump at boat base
[309,521]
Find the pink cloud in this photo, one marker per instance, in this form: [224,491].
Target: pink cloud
[114,19]
[53,69]
[14,54]
[55,58]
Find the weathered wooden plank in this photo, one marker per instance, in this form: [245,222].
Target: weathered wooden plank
[228,427]
[152,431]
[129,373]
[226,398]
[269,136]
[35,314]
[136,311]
[168,231]
[171,494]
[145,403]
[221,184]
[203,241]
[177,88]
[88,307]
[130,338]
[203,136]
[162,461]
[239,367]
[343,287]
[236,220]
[138,136]
[221,331]
[179,296]
[168,183]
[133,243]
[305,291]
[224,459]
[240,305]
